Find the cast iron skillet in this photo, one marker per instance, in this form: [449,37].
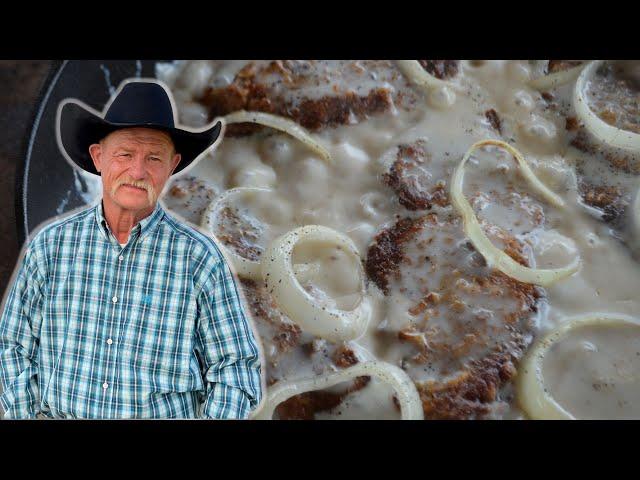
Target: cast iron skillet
[45,183]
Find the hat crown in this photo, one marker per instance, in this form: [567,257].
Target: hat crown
[138,103]
[141,103]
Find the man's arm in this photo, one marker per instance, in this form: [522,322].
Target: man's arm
[18,346]
[228,348]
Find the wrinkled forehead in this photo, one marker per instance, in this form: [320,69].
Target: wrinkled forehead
[140,136]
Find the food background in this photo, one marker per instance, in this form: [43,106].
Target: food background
[20,85]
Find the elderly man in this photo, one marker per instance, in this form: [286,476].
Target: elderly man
[121,310]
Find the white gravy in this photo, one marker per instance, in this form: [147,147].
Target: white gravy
[350,197]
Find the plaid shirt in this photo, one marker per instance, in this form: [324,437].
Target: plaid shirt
[152,330]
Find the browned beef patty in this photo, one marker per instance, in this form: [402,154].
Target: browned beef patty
[412,177]
[318,94]
[312,93]
[465,325]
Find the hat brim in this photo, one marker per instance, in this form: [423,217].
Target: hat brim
[80,128]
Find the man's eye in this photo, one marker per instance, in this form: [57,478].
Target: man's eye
[156,159]
[124,154]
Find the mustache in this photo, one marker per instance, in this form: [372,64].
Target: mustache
[151,194]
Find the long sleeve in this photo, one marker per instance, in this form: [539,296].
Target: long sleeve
[227,346]
[18,345]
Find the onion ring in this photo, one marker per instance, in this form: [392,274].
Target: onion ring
[280,280]
[408,397]
[282,124]
[533,398]
[494,256]
[605,133]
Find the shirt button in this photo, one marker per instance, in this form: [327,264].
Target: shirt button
[114,299]
[120,258]
[105,385]
[109,341]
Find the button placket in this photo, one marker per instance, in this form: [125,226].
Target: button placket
[116,337]
[115,315]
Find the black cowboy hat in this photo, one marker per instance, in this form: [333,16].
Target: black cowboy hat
[135,104]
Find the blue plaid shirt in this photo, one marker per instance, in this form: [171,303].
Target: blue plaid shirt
[152,330]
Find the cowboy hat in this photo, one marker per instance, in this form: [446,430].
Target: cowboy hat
[136,103]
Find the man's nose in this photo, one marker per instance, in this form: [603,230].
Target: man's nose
[137,167]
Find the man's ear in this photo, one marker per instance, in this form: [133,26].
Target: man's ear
[95,151]
[176,160]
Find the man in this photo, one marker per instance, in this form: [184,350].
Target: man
[120,310]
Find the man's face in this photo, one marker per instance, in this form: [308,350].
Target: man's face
[135,164]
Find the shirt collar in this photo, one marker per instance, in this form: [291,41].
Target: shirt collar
[144,226]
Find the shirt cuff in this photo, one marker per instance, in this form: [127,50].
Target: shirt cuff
[226,403]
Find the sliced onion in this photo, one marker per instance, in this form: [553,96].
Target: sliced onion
[407,394]
[244,267]
[282,124]
[533,398]
[440,93]
[305,271]
[554,80]
[495,257]
[605,133]
[280,280]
